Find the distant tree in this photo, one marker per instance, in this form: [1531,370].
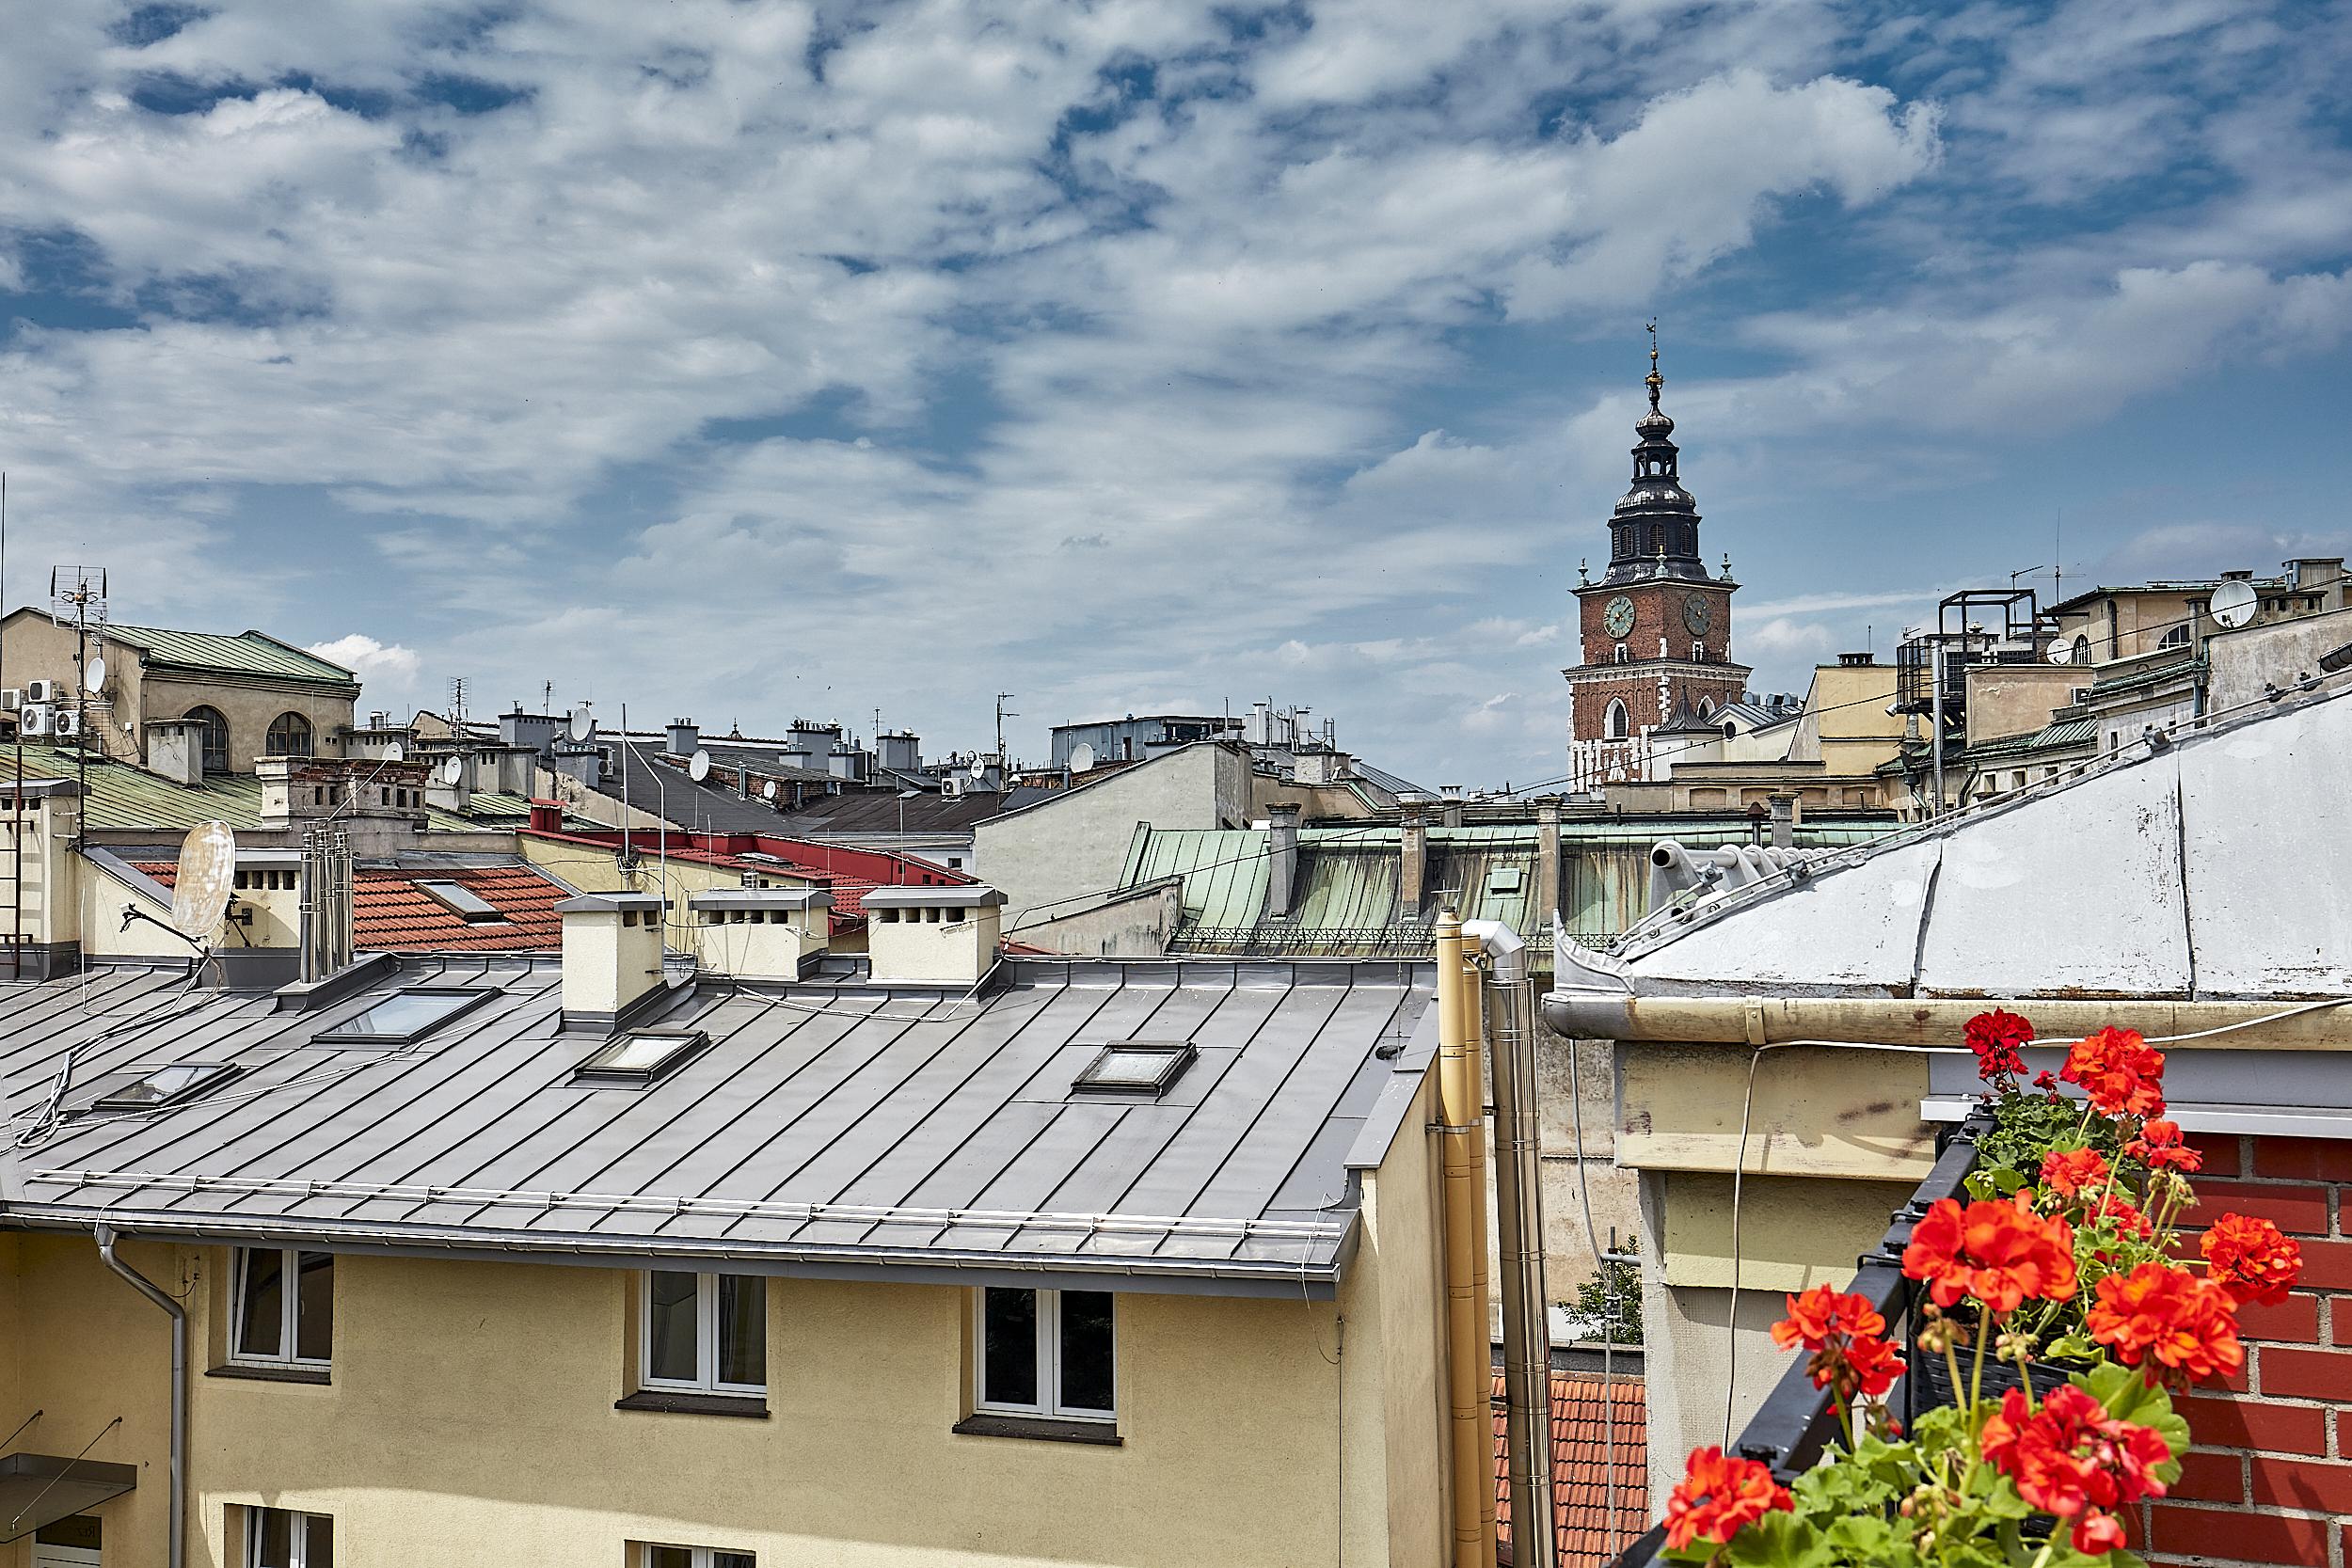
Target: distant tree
[1611,1300]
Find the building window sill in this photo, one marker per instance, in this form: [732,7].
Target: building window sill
[1044,1429]
[664,1401]
[281,1372]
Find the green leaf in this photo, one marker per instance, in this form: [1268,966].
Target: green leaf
[1781,1540]
[2075,1347]
[2128,1396]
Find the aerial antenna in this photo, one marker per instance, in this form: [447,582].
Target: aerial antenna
[546,697]
[77,597]
[1002,714]
[457,705]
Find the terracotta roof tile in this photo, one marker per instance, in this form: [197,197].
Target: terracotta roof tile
[1578,1468]
[392,914]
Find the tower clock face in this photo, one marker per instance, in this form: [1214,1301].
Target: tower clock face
[1616,617]
[1697,611]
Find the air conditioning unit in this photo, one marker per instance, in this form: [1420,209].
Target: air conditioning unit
[37,719]
[43,691]
[951,786]
[10,698]
[65,721]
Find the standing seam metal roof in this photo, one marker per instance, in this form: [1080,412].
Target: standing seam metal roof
[248,653]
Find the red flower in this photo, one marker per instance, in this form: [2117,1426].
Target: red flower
[1999,1253]
[2179,1327]
[1843,1331]
[1717,1496]
[2072,1460]
[2159,1147]
[2250,1259]
[2045,1080]
[2120,1072]
[2069,1172]
[2128,1220]
[1995,1037]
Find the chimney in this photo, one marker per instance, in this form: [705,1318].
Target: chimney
[760,933]
[685,738]
[547,817]
[326,917]
[1281,888]
[1547,863]
[175,748]
[1413,843]
[1783,821]
[932,935]
[1451,811]
[611,954]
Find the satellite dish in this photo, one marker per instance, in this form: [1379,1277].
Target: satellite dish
[395,752]
[94,675]
[208,870]
[582,726]
[698,767]
[453,770]
[1080,757]
[2233,603]
[979,768]
[768,790]
[2061,651]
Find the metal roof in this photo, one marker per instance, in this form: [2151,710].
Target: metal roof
[249,653]
[123,795]
[830,1127]
[2199,865]
[875,811]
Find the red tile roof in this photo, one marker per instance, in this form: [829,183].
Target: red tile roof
[1580,1486]
[392,914]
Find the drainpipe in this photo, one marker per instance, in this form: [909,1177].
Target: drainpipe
[1462,1133]
[1519,1223]
[1584,1014]
[176,1556]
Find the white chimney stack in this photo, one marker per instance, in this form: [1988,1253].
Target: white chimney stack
[932,935]
[760,933]
[612,954]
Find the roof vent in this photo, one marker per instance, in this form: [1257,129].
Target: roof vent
[1137,1067]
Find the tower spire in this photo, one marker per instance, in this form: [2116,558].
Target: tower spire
[1653,381]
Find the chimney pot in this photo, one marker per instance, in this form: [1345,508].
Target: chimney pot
[612,954]
[755,933]
[934,935]
[684,738]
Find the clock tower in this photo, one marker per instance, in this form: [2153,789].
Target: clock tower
[1657,628]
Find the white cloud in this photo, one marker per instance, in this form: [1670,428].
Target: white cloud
[385,670]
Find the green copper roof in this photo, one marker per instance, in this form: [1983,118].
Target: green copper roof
[123,796]
[249,653]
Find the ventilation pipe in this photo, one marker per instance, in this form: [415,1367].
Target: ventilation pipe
[1281,891]
[1462,1142]
[176,1552]
[325,918]
[1510,1015]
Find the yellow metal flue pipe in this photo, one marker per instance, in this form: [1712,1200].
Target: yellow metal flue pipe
[1462,1130]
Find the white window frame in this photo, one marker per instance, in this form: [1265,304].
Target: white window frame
[705,1379]
[299,1541]
[289,1307]
[641,1553]
[1049,1403]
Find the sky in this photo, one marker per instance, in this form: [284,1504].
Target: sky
[746,360]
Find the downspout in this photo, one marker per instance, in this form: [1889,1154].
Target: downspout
[1519,1227]
[1462,1164]
[1591,1014]
[176,1556]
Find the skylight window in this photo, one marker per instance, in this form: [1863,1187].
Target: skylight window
[463,902]
[405,1016]
[641,1055]
[164,1086]
[1137,1067]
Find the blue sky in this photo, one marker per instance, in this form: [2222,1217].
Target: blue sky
[751,360]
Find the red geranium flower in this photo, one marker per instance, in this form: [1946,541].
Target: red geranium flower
[2128,1220]
[2250,1259]
[1843,1331]
[1717,1496]
[2179,1327]
[2119,1071]
[1995,1037]
[2159,1147]
[2070,1172]
[2072,1460]
[2046,1081]
[1997,1252]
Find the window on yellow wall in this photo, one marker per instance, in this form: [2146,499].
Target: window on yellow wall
[283,1307]
[280,1538]
[289,737]
[702,1333]
[1045,1352]
[649,1554]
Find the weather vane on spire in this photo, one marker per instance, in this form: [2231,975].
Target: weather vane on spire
[1653,381]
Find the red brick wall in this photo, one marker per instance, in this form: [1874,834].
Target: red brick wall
[1657,611]
[2270,1478]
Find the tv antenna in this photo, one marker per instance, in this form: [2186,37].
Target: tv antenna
[77,597]
[457,706]
[1002,714]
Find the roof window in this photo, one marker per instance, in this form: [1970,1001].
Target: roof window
[1505,879]
[463,902]
[641,1055]
[154,1088]
[405,1016]
[1140,1067]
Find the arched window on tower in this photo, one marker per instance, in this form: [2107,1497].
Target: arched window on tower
[216,737]
[1620,653]
[289,737]
[1698,653]
[2176,637]
[1620,722]
[2082,649]
[1706,707]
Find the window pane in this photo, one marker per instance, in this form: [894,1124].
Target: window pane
[669,1557]
[273,1537]
[733,1559]
[314,1308]
[1086,1350]
[1008,1347]
[742,1329]
[670,1322]
[261,1329]
[322,1550]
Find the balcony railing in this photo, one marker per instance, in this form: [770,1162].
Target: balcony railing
[1794,1424]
